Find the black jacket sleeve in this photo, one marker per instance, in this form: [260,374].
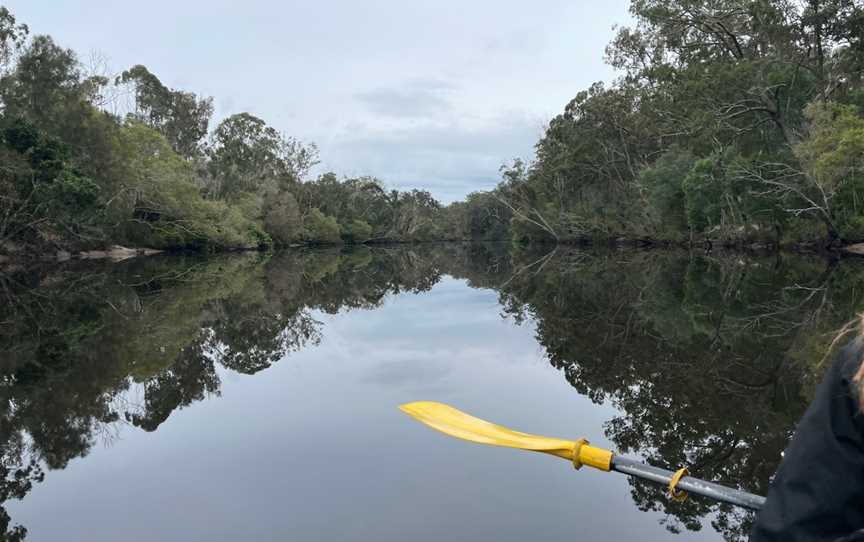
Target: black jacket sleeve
[818,490]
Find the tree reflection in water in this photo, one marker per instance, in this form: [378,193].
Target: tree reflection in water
[676,342]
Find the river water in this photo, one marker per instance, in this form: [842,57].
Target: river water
[254,397]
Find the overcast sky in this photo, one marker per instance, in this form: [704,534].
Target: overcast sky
[432,95]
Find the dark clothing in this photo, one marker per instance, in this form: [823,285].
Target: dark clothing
[818,491]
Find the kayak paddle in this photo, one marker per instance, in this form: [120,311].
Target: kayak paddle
[458,424]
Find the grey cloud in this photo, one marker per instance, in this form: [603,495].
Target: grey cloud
[423,98]
[449,159]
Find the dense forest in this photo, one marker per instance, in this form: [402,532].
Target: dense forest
[732,121]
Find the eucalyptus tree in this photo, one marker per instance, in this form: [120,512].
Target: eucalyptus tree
[13,35]
[182,117]
[246,155]
[45,86]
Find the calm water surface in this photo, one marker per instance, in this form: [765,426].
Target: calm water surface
[256,398]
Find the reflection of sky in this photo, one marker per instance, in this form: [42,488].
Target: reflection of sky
[314,448]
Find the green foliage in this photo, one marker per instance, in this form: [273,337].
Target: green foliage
[664,183]
[164,205]
[179,116]
[481,217]
[703,195]
[68,197]
[12,36]
[833,157]
[733,122]
[390,215]
[244,155]
[697,136]
[357,231]
[282,218]
[79,177]
[44,86]
[45,198]
[321,228]
[261,238]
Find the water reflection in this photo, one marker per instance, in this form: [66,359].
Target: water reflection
[677,343]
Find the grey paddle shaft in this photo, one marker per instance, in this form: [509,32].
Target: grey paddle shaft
[688,483]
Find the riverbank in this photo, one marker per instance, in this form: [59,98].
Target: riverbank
[18,257]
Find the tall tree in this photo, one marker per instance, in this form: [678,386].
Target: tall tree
[182,117]
[247,155]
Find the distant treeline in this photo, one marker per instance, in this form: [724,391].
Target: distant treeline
[736,121]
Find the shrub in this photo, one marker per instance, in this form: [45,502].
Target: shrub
[320,228]
[356,231]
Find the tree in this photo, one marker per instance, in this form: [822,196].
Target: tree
[45,197]
[78,175]
[162,205]
[244,155]
[181,117]
[517,194]
[45,84]
[415,215]
[664,184]
[247,155]
[832,156]
[321,228]
[357,231]
[282,218]
[12,37]
[704,195]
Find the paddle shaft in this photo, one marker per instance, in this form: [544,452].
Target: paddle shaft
[689,484]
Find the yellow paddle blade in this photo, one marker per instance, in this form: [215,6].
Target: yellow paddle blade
[458,424]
